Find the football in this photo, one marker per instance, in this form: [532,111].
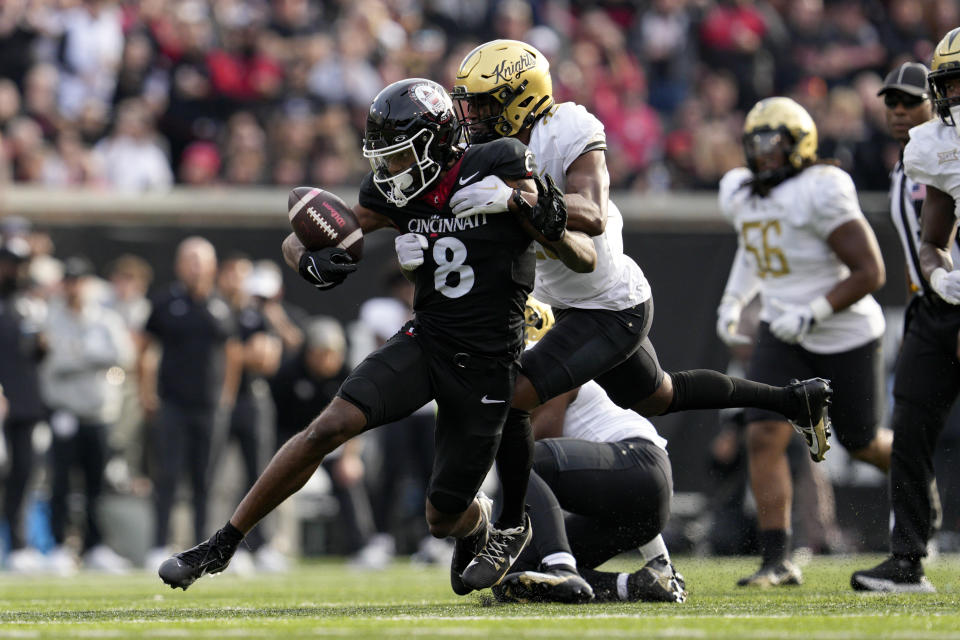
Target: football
[320,219]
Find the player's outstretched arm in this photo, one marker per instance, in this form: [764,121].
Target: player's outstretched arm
[587,193]
[543,214]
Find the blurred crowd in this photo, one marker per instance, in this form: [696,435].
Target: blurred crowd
[114,387]
[141,94]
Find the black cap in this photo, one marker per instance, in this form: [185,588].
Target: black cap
[77,267]
[909,77]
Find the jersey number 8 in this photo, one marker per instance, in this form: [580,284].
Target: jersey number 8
[450,255]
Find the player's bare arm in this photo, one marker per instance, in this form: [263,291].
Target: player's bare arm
[575,249]
[856,246]
[938,223]
[547,419]
[587,193]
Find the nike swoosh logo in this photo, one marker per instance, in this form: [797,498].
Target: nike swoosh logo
[464,181]
[486,400]
[314,273]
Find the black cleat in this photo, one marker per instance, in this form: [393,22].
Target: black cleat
[657,581]
[813,421]
[465,549]
[497,556]
[558,583]
[893,575]
[212,556]
[773,575]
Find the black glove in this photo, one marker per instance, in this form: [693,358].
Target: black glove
[549,215]
[326,268]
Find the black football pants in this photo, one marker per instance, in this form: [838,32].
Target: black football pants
[595,499]
[927,383]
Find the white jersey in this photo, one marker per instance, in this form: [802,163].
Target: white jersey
[784,239]
[932,157]
[594,417]
[561,136]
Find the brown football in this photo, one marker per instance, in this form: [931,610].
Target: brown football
[320,219]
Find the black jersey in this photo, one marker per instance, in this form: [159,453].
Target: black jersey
[477,271]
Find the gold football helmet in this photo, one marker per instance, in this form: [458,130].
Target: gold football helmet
[777,126]
[537,320]
[507,85]
[945,67]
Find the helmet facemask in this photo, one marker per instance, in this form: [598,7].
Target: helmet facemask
[947,107]
[403,170]
[483,115]
[768,153]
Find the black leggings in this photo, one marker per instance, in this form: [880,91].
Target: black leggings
[20,450]
[616,496]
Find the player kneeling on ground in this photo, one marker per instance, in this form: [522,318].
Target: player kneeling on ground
[601,485]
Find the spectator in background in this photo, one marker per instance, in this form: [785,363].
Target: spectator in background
[196,376]
[131,156]
[89,349]
[20,350]
[265,286]
[130,277]
[301,389]
[260,358]
[90,54]
[200,165]
[662,41]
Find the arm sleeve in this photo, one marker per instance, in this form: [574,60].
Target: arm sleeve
[581,132]
[834,201]
[742,283]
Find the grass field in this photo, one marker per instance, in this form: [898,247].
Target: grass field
[327,599]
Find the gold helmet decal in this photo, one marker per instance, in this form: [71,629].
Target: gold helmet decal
[537,320]
[945,68]
[507,83]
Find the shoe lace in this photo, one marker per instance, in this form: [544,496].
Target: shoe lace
[198,554]
[498,543]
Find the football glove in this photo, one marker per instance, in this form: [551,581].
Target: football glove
[795,321]
[490,195]
[728,320]
[326,268]
[549,215]
[410,248]
[946,284]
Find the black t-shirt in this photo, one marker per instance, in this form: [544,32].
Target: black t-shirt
[299,396]
[192,334]
[477,271]
[249,320]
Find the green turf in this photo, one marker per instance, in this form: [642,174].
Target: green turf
[327,599]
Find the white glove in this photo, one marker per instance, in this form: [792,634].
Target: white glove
[728,318]
[946,284]
[490,195]
[410,248]
[795,320]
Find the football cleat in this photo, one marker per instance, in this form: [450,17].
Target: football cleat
[813,421]
[559,583]
[212,556]
[657,581]
[496,557]
[465,549]
[773,575]
[893,575]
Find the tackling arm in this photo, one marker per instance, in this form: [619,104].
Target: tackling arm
[547,419]
[587,193]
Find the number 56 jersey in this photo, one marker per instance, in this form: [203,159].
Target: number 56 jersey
[477,271]
[783,238]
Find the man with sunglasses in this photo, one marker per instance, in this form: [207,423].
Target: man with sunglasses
[927,376]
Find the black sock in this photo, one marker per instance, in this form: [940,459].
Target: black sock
[775,545]
[514,460]
[708,389]
[230,534]
[546,516]
[603,583]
